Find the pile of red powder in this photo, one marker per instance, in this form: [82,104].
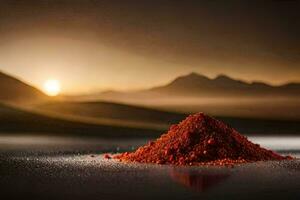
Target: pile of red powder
[200,140]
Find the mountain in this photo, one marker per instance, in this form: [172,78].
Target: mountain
[195,84]
[13,90]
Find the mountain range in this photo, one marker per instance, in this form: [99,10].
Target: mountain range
[196,85]
[190,85]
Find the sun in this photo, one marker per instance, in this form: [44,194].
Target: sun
[52,87]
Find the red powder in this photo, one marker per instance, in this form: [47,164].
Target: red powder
[200,140]
[107,156]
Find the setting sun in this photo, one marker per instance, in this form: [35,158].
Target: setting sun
[52,87]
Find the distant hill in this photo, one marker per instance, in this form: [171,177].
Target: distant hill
[14,120]
[13,90]
[109,110]
[124,114]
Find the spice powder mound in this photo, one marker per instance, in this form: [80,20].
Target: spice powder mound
[200,140]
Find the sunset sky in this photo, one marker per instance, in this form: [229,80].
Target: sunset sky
[99,45]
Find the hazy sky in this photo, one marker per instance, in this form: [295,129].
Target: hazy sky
[126,44]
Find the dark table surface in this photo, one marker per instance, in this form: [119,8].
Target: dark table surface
[75,170]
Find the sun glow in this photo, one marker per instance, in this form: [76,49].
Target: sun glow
[52,87]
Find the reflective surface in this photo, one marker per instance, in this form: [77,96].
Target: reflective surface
[74,168]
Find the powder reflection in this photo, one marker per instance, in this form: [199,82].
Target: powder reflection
[198,181]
